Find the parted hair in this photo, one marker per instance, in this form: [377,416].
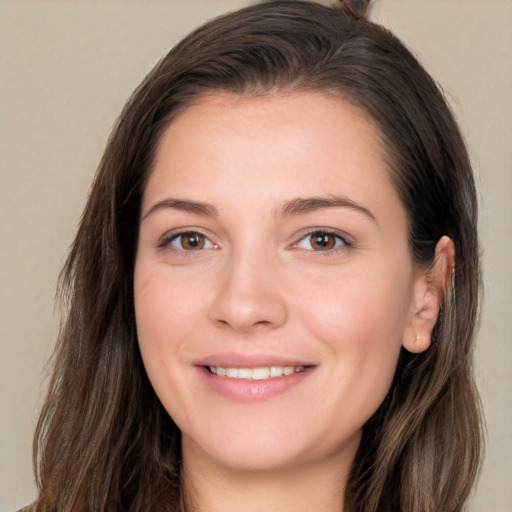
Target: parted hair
[103,441]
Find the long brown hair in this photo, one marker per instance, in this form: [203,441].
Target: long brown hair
[104,441]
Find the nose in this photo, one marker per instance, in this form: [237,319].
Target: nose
[249,296]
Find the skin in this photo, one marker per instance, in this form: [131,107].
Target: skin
[260,286]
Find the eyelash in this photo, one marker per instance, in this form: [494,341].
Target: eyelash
[168,239]
[338,247]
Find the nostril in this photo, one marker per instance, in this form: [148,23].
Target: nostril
[245,303]
[246,327]
[262,323]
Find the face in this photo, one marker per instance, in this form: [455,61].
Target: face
[273,280]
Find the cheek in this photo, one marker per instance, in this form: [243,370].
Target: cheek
[164,306]
[166,314]
[361,328]
[360,318]
[359,302]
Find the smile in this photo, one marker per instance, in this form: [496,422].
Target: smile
[267,372]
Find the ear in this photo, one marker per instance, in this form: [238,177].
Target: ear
[431,287]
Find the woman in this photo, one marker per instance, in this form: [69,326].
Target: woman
[273,290]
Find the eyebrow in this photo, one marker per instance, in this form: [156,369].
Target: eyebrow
[203,209]
[296,206]
[305,205]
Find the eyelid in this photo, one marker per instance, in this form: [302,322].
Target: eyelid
[167,239]
[346,239]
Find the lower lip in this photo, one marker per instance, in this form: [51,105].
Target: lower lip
[245,390]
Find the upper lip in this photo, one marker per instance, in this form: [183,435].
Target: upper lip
[240,360]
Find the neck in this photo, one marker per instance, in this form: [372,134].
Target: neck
[210,487]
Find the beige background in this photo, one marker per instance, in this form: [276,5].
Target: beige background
[67,66]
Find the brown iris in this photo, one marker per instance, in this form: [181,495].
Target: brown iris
[192,241]
[321,241]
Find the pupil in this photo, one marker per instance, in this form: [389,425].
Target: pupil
[192,242]
[323,241]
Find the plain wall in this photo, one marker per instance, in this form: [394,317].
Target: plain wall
[66,68]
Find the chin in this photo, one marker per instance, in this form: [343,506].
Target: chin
[247,451]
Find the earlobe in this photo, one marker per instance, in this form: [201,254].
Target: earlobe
[430,292]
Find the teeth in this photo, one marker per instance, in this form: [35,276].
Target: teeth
[260,373]
[276,371]
[243,373]
[255,373]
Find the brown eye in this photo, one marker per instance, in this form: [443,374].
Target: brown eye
[322,241]
[191,241]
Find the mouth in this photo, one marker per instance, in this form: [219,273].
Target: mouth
[263,373]
[248,379]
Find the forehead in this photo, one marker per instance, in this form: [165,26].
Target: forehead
[277,146]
